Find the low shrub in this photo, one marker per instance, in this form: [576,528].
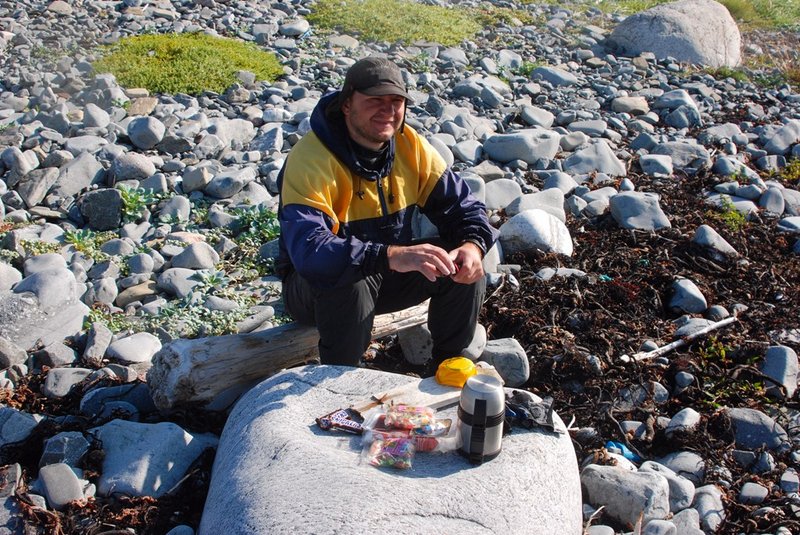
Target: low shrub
[185,63]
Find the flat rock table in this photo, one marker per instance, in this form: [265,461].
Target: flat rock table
[277,472]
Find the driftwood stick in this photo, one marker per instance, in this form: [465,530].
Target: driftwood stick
[190,371]
[644,355]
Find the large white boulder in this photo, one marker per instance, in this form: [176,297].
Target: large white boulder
[277,472]
[694,31]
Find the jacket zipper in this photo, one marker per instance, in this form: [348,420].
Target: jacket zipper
[382,198]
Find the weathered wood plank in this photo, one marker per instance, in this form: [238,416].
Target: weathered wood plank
[191,371]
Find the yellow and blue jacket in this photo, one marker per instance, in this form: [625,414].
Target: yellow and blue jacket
[337,217]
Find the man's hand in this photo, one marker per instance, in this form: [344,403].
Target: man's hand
[430,260]
[467,259]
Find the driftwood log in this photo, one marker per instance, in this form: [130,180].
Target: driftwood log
[195,371]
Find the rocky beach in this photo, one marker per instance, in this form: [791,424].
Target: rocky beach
[647,277]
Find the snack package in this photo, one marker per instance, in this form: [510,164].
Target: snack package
[394,452]
[346,420]
[409,417]
[429,438]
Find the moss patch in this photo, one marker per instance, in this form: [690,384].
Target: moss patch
[396,21]
[185,63]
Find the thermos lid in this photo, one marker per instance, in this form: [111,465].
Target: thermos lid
[483,387]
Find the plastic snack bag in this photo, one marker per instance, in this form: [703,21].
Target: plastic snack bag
[394,452]
[409,417]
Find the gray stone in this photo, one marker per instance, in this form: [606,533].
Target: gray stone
[597,157]
[529,145]
[781,141]
[16,426]
[229,183]
[241,494]
[132,166]
[146,132]
[753,429]
[198,255]
[657,165]
[687,297]
[67,447]
[501,192]
[715,245]
[674,30]
[660,527]
[684,154]
[685,463]
[56,355]
[178,281]
[681,490]
[34,186]
[135,398]
[780,364]
[752,493]
[61,485]
[535,230]
[9,276]
[60,381]
[102,209]
[556,76]
[138,347]
[77,174]
[708,502]
[146,459]
[11,354]
[626,494]
[509,359]
[638,210]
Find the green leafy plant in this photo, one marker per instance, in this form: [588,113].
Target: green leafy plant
[721,388]
[728,215]
[37,247]
[258,226]
[400,21]
[134,202]
[211,280]
[726,72]
[792,171]
[527,68]
[185,63]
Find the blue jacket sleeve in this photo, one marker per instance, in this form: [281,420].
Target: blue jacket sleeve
[458,214]
[322,257]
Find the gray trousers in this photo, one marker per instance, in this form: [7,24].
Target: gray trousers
[343,316]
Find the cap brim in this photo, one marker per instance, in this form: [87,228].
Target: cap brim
[385,89]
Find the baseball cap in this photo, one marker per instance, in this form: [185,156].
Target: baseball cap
[375,76]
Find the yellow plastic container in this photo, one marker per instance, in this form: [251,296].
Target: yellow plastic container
[455,371]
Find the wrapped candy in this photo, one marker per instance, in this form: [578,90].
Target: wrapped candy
[394,452]
[410,417]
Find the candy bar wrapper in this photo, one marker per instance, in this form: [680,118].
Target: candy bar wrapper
[346,420]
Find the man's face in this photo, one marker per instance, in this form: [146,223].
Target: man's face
[372,121]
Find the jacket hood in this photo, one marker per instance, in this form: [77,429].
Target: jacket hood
[332,131]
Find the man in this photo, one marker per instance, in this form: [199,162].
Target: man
[349,190]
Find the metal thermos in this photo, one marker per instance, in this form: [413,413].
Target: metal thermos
[481,412]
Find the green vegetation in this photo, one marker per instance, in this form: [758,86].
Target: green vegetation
[728,215]
[720,388]
[400,21]
[185,63]
[791,172]
[721,73]
[37,247]
[258,226]
[751,13]
[135,201]
[88,242]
